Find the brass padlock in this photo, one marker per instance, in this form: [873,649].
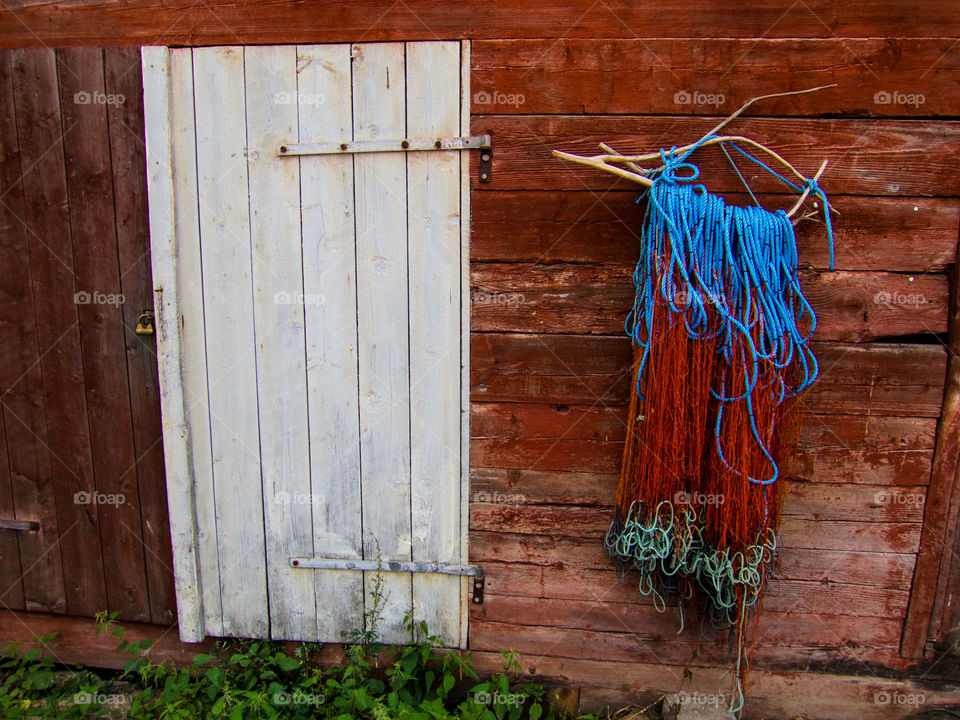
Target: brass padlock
[145,323]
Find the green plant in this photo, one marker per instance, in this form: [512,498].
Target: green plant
[250,680]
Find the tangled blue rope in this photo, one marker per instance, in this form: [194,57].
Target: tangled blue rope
[730,273]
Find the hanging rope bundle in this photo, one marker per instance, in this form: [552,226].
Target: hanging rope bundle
[721,331]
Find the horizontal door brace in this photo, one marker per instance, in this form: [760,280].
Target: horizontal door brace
[395,566]
[19,525]
[484,143]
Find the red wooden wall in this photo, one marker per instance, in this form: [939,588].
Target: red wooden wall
[553,248]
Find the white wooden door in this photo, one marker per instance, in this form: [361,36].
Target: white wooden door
[312,333]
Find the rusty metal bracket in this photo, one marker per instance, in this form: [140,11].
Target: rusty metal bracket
[483,143]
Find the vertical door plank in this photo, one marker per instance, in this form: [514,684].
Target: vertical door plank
[378,106]
[94,234]
[193,338]
[433,218]
[122,78]
[159,136]
[465,102]
[67,471]
[193,349]
[17,328]
[271,92]
[218,77]
[329,286]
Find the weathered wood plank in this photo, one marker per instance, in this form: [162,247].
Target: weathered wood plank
[433,227]
[161,84]
[770,694]
[270,72]
[181,340]
[875,76]
[794,596]
[608,423]
[221,136]
[625,633]
[11,573]
[867,157]
[881,379]
[127,160]
[70,475]
[893,234]
[18,336]
[850,306]
[509,511]
[329,274]
[248,22]
[935,560]
[889,570]
[379,99]
[94,234]
[863,449]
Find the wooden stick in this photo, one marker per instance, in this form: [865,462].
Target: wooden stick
[638,174]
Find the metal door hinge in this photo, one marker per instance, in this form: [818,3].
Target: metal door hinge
[318,563]
[483,143]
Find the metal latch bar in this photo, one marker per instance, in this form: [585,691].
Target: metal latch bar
[484,143]
[395,566]
[19,525]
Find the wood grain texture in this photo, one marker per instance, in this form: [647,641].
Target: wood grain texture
[94,236]
[77,527]
[850,306]
[181,345]
[866,157]
[828,695]
[711,76]
[270,73]
[935,560]
[603,586]
[888,570]
[892,234]
[221,137]
[433,240]
[222,22]
[17,330]
[874,378]
[159,81]
[329,274]
[379,104]
[127,160]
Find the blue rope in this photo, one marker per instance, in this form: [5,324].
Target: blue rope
[730,273]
